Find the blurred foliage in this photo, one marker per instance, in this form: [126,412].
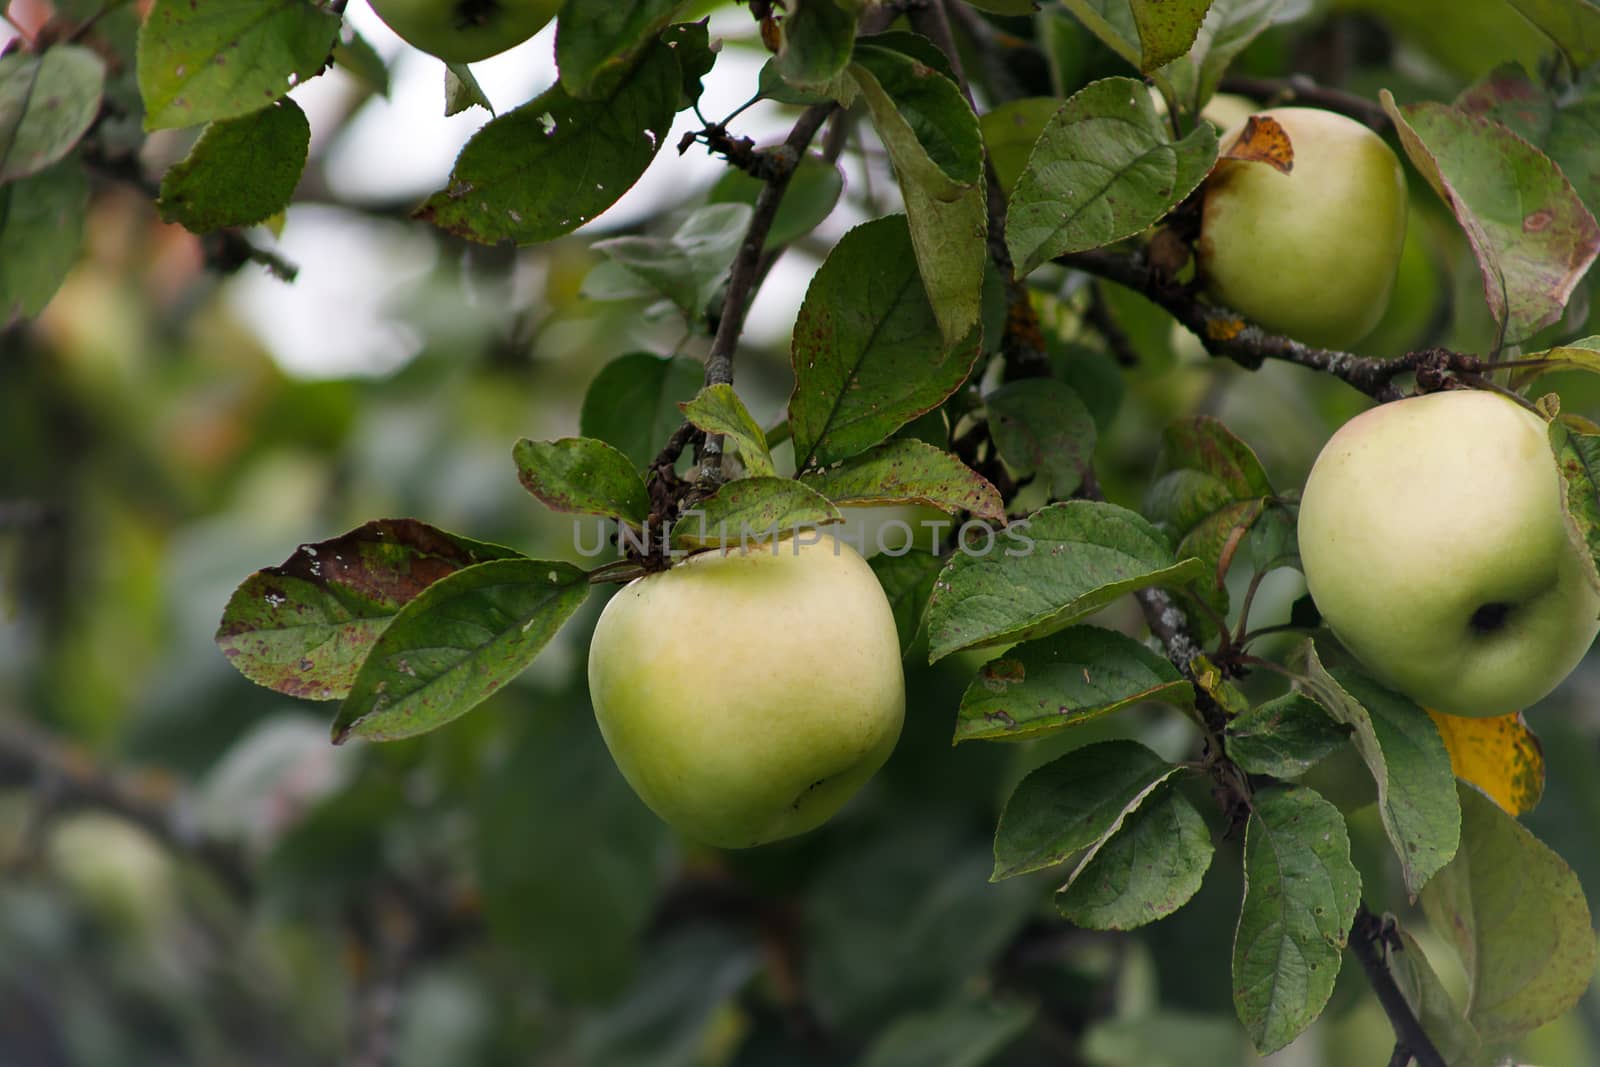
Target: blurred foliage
[493,893]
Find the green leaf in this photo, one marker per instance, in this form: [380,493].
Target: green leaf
[1006,7]
[1517,915]
[689,267]
[240,172]
[1229,27]
[1532,235]
[362,61]
[907,582]
[596,44]
[817,39]
[1573,26]
[867,352]
[1073,801]
[556,162]
[1166,29]
[457,642]
[1041,427]
[906,471]
[1103,169]
[1111,21]
[1174,1038]
[583,475]
[203,62]
[718,409]
[752,510]
[632,404]
[1284,737]
[810,197]
[691,43]
[1203,443]
[1009,133]
[1578,456]
[1407,758]
[1442,1019]
[1067,562]
[1063,680]
[1564,126]
[960,1035]
[1143,870]
[41,235]
[303,628]
[462,91]
[47,103]
[1300,897]
[931,135]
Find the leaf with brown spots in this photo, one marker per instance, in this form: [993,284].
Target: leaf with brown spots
[1500,756]
[1263,140]
[906,471]
[304,627]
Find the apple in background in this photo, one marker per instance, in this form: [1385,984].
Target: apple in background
[1434,544]
[465,31]
[747,694]
[1312,253]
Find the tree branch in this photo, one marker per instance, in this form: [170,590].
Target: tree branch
[1224,333]
[1367,936]
[747,267]
[1298,89]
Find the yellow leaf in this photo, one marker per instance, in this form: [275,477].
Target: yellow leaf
[1500,756]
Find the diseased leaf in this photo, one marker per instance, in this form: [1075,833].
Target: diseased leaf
[203,62]
[1063,680]
[1103,169]
[1407,758]
[556,162]
[582,475]
[1204,443]
[597,43]
[1532,235]
[1300,897]
[907,581]
[1143,870]
[753,510]
[1166,29]
[1041,428]
[867,351]
[457,642]
[1578,457]
[1517,915]
[304,627]
[1284,737]
[1501,756]
[907,471]
[1058,566]
[632,404]
[718,409]
[240,172]
[1071,802]
[47,103]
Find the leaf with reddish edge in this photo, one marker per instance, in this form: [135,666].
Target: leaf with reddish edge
[1533,237]
[304,627]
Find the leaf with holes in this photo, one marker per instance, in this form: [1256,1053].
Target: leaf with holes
[304,627]
[1063,680]
[461,639]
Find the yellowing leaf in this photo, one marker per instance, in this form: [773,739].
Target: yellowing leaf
[1500,756]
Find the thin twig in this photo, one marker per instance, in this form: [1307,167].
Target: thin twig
[1367,935]
[1299,89]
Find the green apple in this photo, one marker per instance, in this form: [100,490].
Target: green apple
[1311,253]
[465,31]
[746,694]
[1434,544]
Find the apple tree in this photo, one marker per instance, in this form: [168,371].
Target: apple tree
[1209,385]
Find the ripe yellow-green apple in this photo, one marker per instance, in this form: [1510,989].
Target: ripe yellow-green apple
[1434,544]
[465,31]
[746,694]
[1311,253]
